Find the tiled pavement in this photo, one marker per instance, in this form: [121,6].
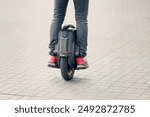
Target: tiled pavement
[118,52]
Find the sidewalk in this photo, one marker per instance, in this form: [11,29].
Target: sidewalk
[118,52]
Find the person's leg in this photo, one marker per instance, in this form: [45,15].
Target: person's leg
[81,13]
[60,7]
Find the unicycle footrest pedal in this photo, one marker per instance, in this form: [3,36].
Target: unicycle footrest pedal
[52,65]
[81,67]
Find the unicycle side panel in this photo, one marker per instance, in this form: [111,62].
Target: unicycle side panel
[66,46]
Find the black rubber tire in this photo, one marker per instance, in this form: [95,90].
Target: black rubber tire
[66,72]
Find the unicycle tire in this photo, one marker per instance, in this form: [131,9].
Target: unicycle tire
[66,72]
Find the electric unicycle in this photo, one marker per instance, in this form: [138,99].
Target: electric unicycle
[66,50]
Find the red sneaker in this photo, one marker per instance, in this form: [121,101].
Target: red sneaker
[53,61]
[82,63]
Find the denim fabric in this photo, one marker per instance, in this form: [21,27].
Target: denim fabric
[81,13]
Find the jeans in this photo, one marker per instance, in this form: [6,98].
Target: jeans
[81,13]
